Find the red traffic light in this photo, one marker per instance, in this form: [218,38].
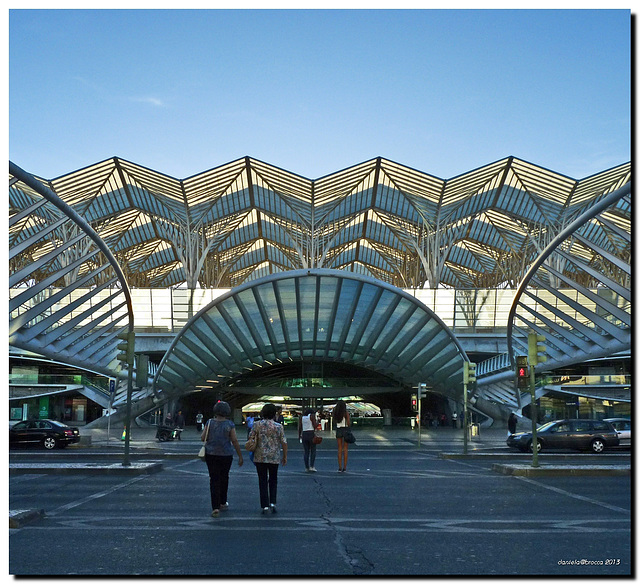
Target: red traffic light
[522,371]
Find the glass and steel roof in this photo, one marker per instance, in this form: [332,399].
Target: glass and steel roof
[312,315]
[247,219]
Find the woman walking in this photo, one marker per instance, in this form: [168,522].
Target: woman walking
[271,449]
[306,433]
[220,439]
[343,420]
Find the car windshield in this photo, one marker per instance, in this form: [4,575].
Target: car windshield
[547,425]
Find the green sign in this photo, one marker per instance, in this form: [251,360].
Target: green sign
[44,407]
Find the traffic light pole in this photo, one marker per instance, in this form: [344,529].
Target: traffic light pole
[466,421]
[127,421]
[536,355]
[128,358]
[534,417]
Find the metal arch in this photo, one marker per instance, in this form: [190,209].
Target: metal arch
[330,315]
[69,301]
[578,320]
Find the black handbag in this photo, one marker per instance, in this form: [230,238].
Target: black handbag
[348,436]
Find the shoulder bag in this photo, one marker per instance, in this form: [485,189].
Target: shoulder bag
[203,451]
[251,444]
[317,439]
[348,436]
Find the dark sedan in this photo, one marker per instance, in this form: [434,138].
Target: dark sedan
[48,433]
[594,435]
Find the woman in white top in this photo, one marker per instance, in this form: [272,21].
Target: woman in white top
[343,420]
[306,432]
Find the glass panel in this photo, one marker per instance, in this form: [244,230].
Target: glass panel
[268,299]
[325,305]
[307,289]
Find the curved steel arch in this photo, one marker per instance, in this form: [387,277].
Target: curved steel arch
[321,315]
[580,319]
[70,299]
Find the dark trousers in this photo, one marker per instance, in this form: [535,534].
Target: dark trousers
[309,448]
[268,483]
[219,467]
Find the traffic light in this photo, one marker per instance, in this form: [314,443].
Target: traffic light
[522,371]
[536,349]
[422,390]
[127,348]
[469,373]
[414,402]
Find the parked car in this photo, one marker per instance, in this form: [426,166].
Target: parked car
[49,433]
[623,428]
[594,435]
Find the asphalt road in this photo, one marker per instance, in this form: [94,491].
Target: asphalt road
[398,510]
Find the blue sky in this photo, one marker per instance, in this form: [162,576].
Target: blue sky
[316,91]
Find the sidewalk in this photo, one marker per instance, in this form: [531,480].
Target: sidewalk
[400,435]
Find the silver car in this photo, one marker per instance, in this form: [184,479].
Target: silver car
[582,434]
[623,428]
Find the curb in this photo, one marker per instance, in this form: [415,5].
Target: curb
[136,468]
[553,470]
[516,456]
[18,519]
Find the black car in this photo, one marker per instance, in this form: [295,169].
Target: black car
[594,435]
[49,433]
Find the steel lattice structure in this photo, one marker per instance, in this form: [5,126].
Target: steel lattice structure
[323,315]
[508,224]
[52,248]
[577,294]
[247,219]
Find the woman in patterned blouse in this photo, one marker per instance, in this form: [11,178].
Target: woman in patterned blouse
[271,449]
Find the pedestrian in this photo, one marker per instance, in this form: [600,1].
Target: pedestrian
[306,433]
[180,423]
[220,440]
[511,424]
[250,422]
[454,419]
[343,420]
[199,420]
[271,449]
[168,420]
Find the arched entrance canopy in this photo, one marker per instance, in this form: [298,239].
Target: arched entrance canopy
[312,315]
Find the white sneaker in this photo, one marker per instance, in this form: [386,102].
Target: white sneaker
[313,469]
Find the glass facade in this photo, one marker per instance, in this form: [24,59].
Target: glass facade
[463,311]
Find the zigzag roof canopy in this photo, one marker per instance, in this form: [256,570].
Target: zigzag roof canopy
[247,219]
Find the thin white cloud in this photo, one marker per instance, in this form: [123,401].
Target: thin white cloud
[150,100]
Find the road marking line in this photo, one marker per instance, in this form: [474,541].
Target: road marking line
[79,502]
[573,495]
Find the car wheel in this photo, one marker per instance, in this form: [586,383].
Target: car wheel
[49,443]
[597,445]
[530,446]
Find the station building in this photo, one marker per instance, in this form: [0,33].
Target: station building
[248,282]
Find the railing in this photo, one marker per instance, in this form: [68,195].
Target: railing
[620,379]
[42,381]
